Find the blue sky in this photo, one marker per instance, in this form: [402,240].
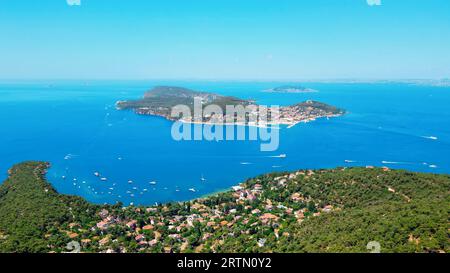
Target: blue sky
[224,39]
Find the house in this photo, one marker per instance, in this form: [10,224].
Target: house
[104,241]
[256,211]
[132,224]
[139,238]
[257,187]
[152,242]
[102,225]
[296,197]
[268,217]
[327,208]
[148,227]
[103,213]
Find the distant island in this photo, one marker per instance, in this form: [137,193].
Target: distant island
[337,210]
[291,89]
[160,100]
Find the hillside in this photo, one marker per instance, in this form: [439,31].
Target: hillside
[338,210]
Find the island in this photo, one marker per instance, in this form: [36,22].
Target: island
[335,210]
[291,89]
[160,101]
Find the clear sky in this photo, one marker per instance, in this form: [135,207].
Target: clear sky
[224,39]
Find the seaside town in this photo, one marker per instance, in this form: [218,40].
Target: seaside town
[258,210]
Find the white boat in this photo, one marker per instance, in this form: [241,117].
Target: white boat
[130,181]
[203,178]
[192,190]
[152,183]
[103,179]
[430,137]
[97,174]
[63,177]
[245,163]
[279,156]
[349,161]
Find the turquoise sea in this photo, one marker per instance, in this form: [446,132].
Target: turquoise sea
[75,126]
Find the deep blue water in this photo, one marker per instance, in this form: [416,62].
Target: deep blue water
[75,126]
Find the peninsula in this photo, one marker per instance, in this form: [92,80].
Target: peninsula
[336,210]
[160,100]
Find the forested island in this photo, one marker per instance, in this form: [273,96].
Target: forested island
[336,210]
[162,99]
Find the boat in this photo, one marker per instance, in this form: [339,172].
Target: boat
[203,178]
[192,190]
[279,156]
[103,179]
[63,177]
[97,174]
[152,183]
[349,161]
[431,137]
[130,181]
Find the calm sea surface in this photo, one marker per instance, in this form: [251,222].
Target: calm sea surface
[75,126]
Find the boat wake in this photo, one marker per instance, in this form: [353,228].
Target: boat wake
[430,137]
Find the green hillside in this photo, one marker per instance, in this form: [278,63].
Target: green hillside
[338,210]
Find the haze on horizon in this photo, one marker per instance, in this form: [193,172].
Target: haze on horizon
[225,39]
